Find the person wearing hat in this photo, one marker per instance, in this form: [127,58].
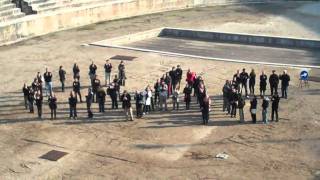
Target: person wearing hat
[274,81]
[285,79]
[265,106]
[126,105]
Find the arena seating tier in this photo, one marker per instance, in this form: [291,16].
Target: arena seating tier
[9,11]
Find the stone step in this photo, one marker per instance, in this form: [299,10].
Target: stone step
[7,6]
[3,2]
[9,12]
[11,17]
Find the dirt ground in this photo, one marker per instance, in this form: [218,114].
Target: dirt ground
[166,145]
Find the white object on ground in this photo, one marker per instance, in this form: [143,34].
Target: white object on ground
[222,155]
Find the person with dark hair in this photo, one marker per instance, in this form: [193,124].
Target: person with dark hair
[95,86]
[168,82]
[244,79]
[274,81]
[163,96]
[89,99]
[76,71]
[25,92]
[31,99]
[122,74]
[92,72]
[73,105]
[275,106]
[237,80]
[76,88]
[285,79]
[175,99]
[187,95]
[39,99]
[157,92]
[226,92]
[107,70]
[252,81]
[178,75]
[126,105]
[205,109]
[202,91]
[62,77]
[265,106]
[39,80]
[233,102]
[173,77]
[139,104]
[48,81]
[253,109]
[263,83]
[147,96]
[241,104]
[112,91]
[101,97]
[53,105]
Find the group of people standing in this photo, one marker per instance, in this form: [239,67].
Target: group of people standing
[234,98]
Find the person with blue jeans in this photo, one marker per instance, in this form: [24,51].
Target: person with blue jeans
[265,106]
[48,81]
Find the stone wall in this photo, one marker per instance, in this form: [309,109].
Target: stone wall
[36,25]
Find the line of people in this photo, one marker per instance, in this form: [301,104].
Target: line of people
[234,98]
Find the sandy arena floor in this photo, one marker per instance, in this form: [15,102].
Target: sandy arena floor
[171,145]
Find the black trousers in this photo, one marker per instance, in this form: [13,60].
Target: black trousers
[187,105]
[244,85]
[273,89]
[62,85]
[78,93]
[205,116]
[53,113]
[73,112]
[251,87]
[101,106]
[233,109]
[139,110]
[284,90]
[114,102]
[156,98]
[274,112]
[39,107]
[254,118]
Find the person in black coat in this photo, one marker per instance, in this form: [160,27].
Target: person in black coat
[275,106]
[252,81]
[263,83]
[92,71]
[157,87]
[173,77]
[25,92]
[139,104]
[39,100]
[179,73]
[253,109]
[205,109]
[95,86]
[244,79]
[73,105]
[89,99]
[31,99]
[126,105]
[101,95]
[237,80]
[122,74]
[53,105]
[233,102]
[76,71]
[62,77]
[274,81]
[285,79]
[76,88]
[112,92]
[187,95]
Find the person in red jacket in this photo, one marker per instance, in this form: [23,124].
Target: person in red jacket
[191,76]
